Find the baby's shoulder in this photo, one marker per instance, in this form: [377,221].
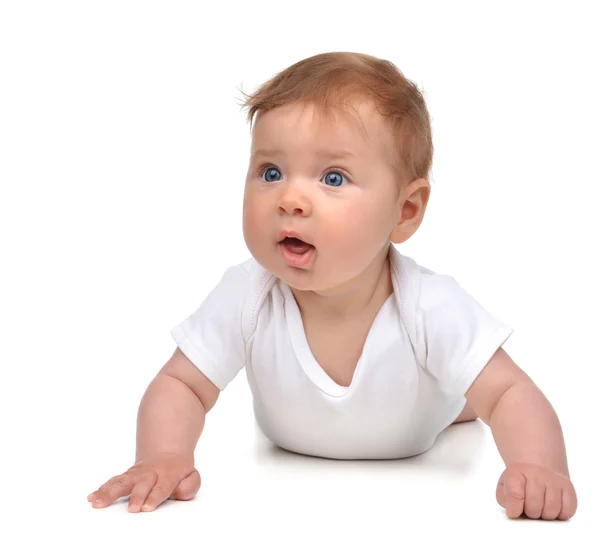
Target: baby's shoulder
[430,288]
[255,276]
[240,283]
[436,288]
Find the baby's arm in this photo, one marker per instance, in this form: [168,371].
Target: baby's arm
[529,438]
[170,420]
[172,411]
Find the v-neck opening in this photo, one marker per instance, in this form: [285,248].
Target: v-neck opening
[299,340]
[304,353]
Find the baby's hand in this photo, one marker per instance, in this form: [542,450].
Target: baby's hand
[537,491]
[150,482]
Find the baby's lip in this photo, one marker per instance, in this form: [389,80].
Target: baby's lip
[292,234]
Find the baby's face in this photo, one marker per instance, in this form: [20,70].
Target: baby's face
[346,207]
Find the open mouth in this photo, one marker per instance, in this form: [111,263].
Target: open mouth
[296,252]
[295,245]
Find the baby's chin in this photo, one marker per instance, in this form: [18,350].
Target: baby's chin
[305,280]
[300,279]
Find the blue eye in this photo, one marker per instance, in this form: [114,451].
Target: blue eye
[335,178]
[269,171]
[332,179]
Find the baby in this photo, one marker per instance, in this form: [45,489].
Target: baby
[352,350]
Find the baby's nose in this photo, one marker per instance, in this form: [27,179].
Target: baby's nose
[293,202]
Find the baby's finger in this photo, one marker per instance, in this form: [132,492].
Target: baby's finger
[569,503]
[188,487]
[500,493]
[159,493]
[534,498]
[552,503]
[99,493]
[116,487]
[514,495]
[141,489]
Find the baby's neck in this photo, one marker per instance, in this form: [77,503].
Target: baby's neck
[370,292]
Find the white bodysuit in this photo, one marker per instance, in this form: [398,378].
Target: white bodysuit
[425,348]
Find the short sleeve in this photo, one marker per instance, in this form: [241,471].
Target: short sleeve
[212,337]
[460,335]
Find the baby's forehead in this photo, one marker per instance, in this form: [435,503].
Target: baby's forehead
[354,125]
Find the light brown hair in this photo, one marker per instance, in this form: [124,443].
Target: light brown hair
[335,80]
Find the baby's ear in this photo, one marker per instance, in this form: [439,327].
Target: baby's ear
[414,199]
[403,232]
[397,237]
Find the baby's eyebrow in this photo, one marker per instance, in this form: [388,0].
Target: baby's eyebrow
[324,153]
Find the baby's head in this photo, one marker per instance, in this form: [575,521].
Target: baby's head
[341,153]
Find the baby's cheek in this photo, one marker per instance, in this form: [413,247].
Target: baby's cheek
[357,229]
[255,228]
[252,215]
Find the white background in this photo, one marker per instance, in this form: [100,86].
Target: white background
[123,153]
